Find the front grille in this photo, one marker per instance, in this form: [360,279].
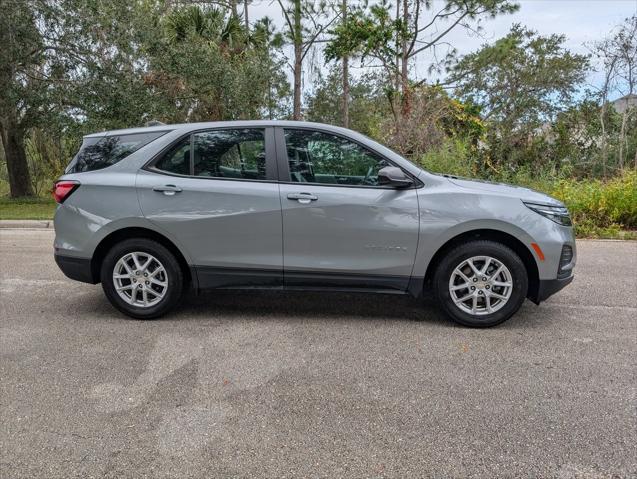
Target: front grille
[565,259]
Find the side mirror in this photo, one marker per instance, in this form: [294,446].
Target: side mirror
[394,176]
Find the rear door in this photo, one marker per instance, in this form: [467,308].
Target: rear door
[340,227]
[215,191]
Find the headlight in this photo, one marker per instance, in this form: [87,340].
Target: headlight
[559,214]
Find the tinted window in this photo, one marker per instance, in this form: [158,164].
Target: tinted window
[176,159]
[236,154]
[316,157]
[98,153]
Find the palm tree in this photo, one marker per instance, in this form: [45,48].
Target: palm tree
[210,23]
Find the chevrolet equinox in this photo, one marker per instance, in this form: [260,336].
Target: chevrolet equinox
[149,212]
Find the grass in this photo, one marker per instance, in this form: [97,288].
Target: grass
[26,208]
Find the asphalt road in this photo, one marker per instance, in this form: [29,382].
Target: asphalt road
[267,384]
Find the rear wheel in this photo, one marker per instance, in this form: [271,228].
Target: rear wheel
[481,283]
[142,278]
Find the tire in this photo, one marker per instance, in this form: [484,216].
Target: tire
[160,286]
[495,301]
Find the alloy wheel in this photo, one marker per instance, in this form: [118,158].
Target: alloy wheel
[140,279]
[480,285]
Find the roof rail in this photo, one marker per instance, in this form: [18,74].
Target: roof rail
[154,123]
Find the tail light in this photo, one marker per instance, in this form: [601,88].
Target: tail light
[63,189]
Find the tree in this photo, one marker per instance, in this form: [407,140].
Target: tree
[618,55]
[366,105]
[22,91]
[65,61]
[206,66]
[520,82]
[304,27]
[393,42]
[345,66]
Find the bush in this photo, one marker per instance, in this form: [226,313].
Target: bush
[452,157]
[599,208]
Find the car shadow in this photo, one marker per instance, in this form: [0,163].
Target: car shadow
[269,304]
[276,305]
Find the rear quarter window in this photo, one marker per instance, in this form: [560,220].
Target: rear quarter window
[97,153]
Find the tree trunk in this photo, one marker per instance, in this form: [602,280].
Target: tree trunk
[604,146]
[298,64]
[404,67]
[394,77]
[622,140]
[345,75]
[345,92]
[233,8]
[610,71]
[17,166]
[298,59]
[245,15]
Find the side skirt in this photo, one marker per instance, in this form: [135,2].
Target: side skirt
[236,278]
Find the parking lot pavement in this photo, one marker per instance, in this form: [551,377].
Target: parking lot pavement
[263,384]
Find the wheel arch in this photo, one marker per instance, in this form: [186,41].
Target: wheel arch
[125,233]
[493,235]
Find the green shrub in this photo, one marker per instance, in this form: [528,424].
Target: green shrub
[452,157]
[600,208]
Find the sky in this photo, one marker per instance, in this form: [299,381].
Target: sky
[581,21]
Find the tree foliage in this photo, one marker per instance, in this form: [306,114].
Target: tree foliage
[394,36]
[367,106]
[514,106]
[520,84]
[204,65]
[522,79]
[75,66]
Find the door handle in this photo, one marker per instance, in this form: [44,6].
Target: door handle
[168,190]
[304,198]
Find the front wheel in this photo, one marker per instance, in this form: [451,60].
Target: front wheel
[481,283]
[142,278]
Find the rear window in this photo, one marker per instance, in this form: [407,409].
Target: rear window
[99,152]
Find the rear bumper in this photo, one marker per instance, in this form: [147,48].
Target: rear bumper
[78,269]
[549,287]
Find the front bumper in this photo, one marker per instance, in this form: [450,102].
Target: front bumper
[78,269]
[548,287]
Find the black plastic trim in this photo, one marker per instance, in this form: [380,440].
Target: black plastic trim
[345,280]
[78,269]
[210,277]
[548,287]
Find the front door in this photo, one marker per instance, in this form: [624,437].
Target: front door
[215,191]
[340,227]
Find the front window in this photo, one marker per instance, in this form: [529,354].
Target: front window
[317,157]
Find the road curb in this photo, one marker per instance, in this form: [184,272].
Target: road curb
[26,224]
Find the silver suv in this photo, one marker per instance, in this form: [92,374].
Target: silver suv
[149,212]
